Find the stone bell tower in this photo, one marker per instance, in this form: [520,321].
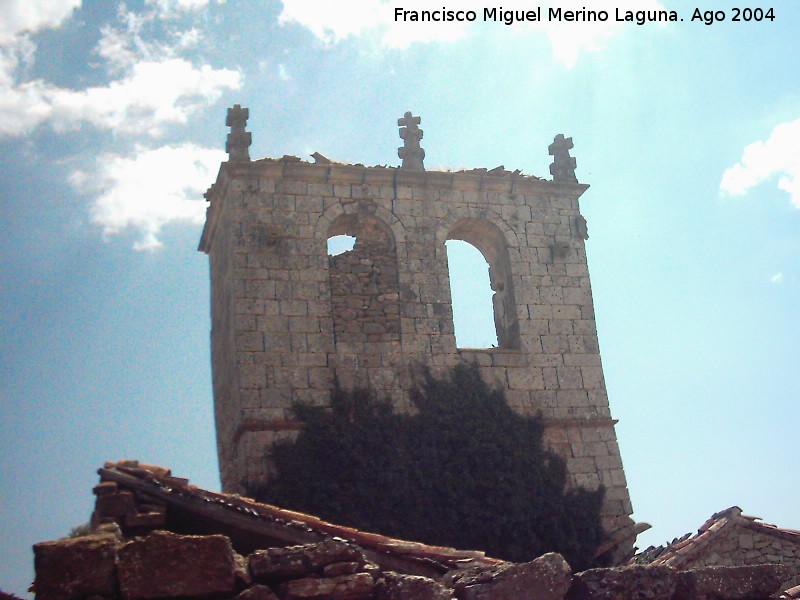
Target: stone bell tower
[287,318]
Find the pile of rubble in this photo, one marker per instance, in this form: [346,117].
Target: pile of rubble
[155,536]
[162,564]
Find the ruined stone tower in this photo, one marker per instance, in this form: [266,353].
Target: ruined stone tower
[287,318]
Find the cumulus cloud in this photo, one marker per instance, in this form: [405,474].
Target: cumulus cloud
[152,87]
[29,16]
[153,95]
[150,84]
[150,189]
[778,156]
[334,22]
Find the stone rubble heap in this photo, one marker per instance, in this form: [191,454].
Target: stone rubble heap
[165,565]
[144,545]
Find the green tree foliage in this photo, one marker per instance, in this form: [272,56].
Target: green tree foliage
[464,471]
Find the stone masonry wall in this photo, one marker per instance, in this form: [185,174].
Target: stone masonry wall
[365,300]
[285,320]
[749,547]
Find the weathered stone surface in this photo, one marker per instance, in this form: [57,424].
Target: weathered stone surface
[394,586]
[341,568]
[105,488]
[347,587]
[278,564]
[257,592]
[280,301]
[115,505]
[546,578]
[624,583]
[166,565]
[754,582]
[241,571]
[76,567]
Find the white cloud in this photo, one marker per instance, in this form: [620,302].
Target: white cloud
[121,46]
[150,189]
[172,7]
[30,16]
[153,95]
[334,22]
[778,155]
[151,85]
[777,278]
[154,86]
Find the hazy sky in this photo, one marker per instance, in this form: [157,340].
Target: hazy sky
[112,126]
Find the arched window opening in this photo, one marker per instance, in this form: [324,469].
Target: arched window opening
[338,244]
[471,293]
[362,270]
[492,248]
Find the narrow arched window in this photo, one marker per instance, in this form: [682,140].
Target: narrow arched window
[471,294]
[469,291]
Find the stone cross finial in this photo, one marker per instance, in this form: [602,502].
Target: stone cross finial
[563,167]
[411,152]
[238,143]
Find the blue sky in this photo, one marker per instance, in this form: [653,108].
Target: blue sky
[112,127]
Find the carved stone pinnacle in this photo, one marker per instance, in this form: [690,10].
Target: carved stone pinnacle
[563,167]
[411,152]
[238,142]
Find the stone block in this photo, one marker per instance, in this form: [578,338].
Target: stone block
[636,582]
[525,378]
[394,586]
[582,360]
[569,378]
[545,578]
[753,582]
[607,462]
[567,311]
[593,377]
[167,565]
[555,344]
[250,342]
[584,326]
[105,488]
[570,398]
[359,586]
[577,295]
[341,568]
[252,376]
[279,564]
[76,567]
[257,592]
[144,520]
[249,306]
[552,295]
[115,505]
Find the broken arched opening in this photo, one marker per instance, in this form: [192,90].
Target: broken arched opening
[362,268]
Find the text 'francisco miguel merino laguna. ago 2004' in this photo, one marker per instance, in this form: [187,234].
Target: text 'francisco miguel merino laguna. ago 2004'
[534,15]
